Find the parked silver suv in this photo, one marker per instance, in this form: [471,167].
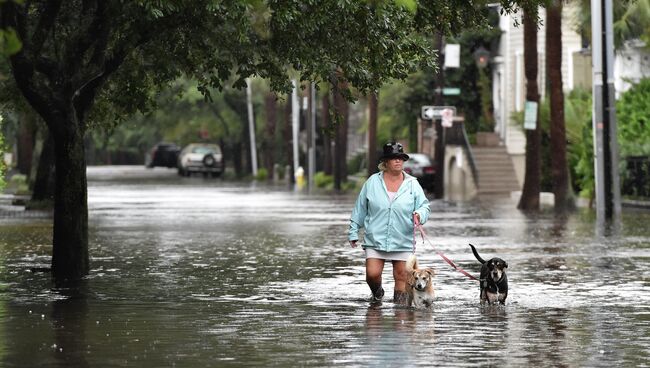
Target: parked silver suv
[200,158]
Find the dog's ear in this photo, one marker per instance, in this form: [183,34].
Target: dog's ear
[430,271]
[411,279]
[505,264]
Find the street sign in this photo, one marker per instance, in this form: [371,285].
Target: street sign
[452,55]
[449,91]
[530,115]
[447,116]
[435,112]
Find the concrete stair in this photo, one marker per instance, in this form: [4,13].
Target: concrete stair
[496,173]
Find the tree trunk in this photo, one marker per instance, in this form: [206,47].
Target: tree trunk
[26,139]
[44,180]
[373,102]
[288,139]
[529,200]
[327,141]
[340,153]
[559,167]
[237,158]
[70,233]
[269,139]
[245,139]
[61,87]
[107,154]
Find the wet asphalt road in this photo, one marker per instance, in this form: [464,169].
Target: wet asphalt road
[196,272]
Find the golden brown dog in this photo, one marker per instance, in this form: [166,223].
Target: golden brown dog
[419,290]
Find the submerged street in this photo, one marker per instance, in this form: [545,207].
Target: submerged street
[197,272]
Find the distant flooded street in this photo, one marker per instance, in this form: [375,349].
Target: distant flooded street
[197,272]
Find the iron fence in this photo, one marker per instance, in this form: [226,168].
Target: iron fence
[636,179]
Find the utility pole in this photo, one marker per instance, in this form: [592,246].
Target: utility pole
[251,126]
[311,136]
[373,102]
[608,192]
[439,178]
[295,123]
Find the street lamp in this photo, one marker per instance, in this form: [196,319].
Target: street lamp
[482,57]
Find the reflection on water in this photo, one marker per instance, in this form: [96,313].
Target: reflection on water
[68,322]
[196,272]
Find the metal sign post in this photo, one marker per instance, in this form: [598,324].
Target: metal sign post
[295,123]
[608,193]
[251,126]
[436,114]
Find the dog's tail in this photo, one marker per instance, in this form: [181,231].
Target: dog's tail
[476,254]
[411,263]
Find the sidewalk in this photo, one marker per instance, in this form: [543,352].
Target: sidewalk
[13,206]
[633,203]
[547,199]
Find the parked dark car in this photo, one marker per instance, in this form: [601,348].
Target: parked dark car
[162,155]
[201,158]
[423,168]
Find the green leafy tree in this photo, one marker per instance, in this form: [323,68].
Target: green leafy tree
[9,45]
[631,20]
[401,101]
[9,41]
[83,61]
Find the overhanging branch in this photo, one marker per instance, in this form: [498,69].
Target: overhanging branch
[49,13]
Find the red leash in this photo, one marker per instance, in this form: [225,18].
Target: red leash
[418,226]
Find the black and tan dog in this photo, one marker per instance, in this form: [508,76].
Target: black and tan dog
[493,279]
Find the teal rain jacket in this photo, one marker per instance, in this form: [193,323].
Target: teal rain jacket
[388,225]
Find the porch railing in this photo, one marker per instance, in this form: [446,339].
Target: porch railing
[457,135]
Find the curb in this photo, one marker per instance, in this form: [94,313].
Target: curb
[635,203]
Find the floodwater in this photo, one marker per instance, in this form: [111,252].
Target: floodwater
[195,272]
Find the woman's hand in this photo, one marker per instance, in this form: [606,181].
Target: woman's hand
[417,215]
[353,243]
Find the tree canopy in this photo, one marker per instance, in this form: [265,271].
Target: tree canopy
[132,48]
[631,20]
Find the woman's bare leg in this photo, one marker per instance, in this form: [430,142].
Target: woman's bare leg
[374,268]
[399,273]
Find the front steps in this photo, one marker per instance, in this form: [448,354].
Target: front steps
[496,173]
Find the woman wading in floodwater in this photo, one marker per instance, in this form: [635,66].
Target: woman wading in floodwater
[385,208]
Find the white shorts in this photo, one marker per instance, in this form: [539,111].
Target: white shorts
[389,256]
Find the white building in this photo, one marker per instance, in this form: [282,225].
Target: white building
[509,81]
[631,64]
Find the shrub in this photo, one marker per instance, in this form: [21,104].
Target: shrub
[262,174]
[357,163]
[633,120]
[633,123]
[3,169]
[577,114]
[323,180]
